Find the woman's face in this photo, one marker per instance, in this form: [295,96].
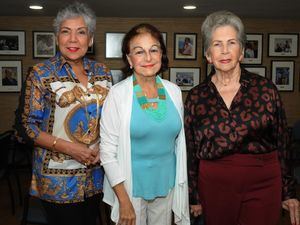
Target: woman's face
[73,38]
[225,51]
[145,55]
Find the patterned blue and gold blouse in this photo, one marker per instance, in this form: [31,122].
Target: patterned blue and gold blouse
[54,101]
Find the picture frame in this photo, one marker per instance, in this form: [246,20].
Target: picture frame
[283,45]
[253,49]
[10,76]
[12,42]
[117,76]
[43,44]
[299,81]
[260,70]
[113,45]
[283,75]
[164,34]
[185,46]
[185,78]
[91,49]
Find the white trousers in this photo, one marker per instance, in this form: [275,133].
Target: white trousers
[154,212]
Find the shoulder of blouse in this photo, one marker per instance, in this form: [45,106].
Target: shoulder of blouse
[43,69]
[200,88]
[122,86]
[93,65]
[254,78]
[257,80]
[98,65]
[263,83]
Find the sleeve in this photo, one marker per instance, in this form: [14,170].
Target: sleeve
[109,136]
[192,159]
[283,143]
[29,115]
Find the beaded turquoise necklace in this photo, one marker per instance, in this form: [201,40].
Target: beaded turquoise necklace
[158,113]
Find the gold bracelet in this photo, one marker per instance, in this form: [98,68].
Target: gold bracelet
[54,143]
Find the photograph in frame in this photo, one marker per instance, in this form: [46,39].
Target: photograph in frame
[117,76]
[43,44]
[10,76]
[12,42]
[185,78]
[185,46]
[253,49]
[283,75]
[260,70]
[113,45]
[283,45]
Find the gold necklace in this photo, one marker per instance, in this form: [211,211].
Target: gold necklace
[93,124]
[152,103]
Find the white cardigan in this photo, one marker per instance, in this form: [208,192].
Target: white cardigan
[115,148]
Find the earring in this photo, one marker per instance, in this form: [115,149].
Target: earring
[131,67]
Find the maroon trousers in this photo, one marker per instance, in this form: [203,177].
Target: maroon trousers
[241,189]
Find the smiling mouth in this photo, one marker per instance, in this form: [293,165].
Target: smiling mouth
[225,61]
[73,49]
[148,66]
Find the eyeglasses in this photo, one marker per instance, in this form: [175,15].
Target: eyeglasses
[139,52]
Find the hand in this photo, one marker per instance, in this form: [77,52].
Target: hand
[196,210]
[82,153]
[126,210]
[79,152]
[96,154]
[292,205]
[127,214]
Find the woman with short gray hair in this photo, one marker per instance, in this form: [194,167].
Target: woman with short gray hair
[59,113]
[237,137]
[219,19]
[76,10]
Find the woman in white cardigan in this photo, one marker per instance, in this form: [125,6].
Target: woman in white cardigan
[142,146]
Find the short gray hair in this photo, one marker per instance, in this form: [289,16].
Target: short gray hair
[220,19]
[74,10]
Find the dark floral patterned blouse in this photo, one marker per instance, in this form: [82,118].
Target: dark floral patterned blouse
[254,124]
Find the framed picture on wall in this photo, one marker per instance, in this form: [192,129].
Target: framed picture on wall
[117,76]
[253,49]
[113,45]
[260,70]
[91,49]
[299,81]
[185,78]
[283,45]
[164,34]
[185,46]
[11,76]
[12,42]
[283,75]
[43,44]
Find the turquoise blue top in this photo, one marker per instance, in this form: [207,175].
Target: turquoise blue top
[153,150]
